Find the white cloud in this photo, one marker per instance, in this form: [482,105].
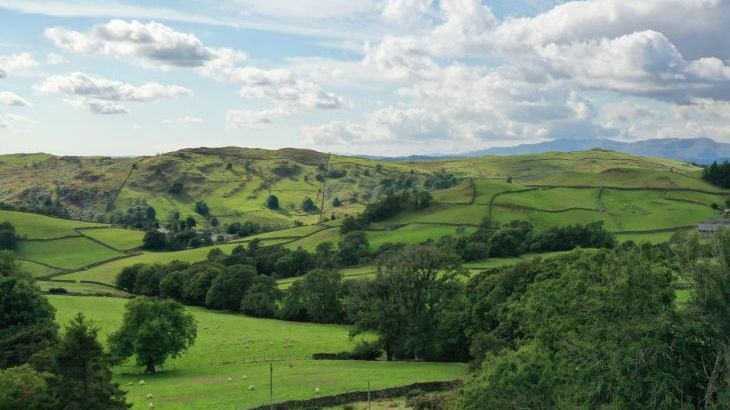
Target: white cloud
[151,43]
[249,119]
[407,11]
[11,120]
[103,96]
[16,64]
[11,99]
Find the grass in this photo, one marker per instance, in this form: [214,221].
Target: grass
[36,269]
[123,239]
[552,199]
[654,238]
[458,194]
[454,214]
[86,289]
[67,253]
[413,234]
[107,272]
[34,226]
[231,345]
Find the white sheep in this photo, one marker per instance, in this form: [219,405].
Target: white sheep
[244,377]
[141,383]
[316,390]
[230,379]
[252,388]
[149,396]
[130,384]
[151,405]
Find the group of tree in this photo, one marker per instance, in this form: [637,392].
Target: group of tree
[441,179]
[386,207]
[139,216]
[8,236]
[717,174]
[42,368]
[520,237]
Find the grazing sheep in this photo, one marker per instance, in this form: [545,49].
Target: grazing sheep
[230,379]
[141,383]
[316,390]
[149,396]
[151,405]
[244,377]
[252,388]
[130,384]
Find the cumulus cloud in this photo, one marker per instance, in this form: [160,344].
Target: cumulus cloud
[11,99]
[54,59]
[15,64]
[407,11]
[103,96]
[11,120]
[151,43]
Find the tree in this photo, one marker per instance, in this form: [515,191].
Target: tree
[176,188]
[260,299]
[308,205]
[26,317]
[293,307]
[153,330]
[336,203]
[196,287]
[190,222]
[406,300]
[8,237]
[353,247]
[322,292]
[154,241]
[202,208]
[22,387]
[214,222]
[150,213]
[272,202]
[82,378]
[128,277]
[228,288]
[350,224]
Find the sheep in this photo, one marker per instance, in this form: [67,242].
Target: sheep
[244,377]
[230,379]
[316,390]
[149,396]
[130,384]
[252,388]
[151,405]
[141,383]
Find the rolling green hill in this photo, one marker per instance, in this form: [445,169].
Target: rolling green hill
[637,198]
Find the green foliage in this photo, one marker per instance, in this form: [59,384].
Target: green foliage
[154,241]
[272,202]
[717,174]
[353,248]
[26,318]
[176,188]
[321,293]
[227,289]
[308,205]
[350,224]
[441,179]
[260,299]
[82,377]
[22,387]
[8,237]
[202,208]
[152,331]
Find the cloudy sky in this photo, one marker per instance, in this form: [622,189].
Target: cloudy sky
[386,77]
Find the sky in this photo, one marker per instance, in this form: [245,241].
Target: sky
[378,77]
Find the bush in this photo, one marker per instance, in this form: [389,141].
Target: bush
[176,188]
[57,291]
[272,202]
[367,351]
[308,205]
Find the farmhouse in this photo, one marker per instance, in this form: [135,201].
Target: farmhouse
[710,227]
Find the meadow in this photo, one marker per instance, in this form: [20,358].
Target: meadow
[233,346]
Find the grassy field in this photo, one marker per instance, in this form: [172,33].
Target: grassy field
[34,226]
[413,234]
[86,289]
[36,269]
[106,273]
[67,253]
[123,239]
[231,346]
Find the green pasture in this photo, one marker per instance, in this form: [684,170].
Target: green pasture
[123,239]
[458,194]
[107,273]
[231,346]
[86,289]
[698,197]
[35,226]
[36,269]
[551,199]
[414,234]
[487,189]
[66,253]
[442,214]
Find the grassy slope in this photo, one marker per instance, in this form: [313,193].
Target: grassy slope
[123,239]
[33,226]
[67,253]
[226,345]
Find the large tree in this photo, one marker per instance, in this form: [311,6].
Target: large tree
[82,378]
[228,288]
[322,294]
[153,330]
[26,317]
[407,298]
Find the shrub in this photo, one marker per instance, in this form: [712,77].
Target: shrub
[272,202]
[176,188]
[57,291]
[367,351]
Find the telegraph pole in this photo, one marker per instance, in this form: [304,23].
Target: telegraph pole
[271,385]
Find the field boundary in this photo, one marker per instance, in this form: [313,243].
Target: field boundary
[363,395]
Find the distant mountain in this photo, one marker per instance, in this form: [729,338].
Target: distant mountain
[698,150]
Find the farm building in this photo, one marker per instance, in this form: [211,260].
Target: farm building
[709,228]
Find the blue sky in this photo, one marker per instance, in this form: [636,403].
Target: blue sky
[387,77]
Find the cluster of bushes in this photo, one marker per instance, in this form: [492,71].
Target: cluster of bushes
[246,228]
[286,170]
[8,237]
[175,240]
[386,207]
